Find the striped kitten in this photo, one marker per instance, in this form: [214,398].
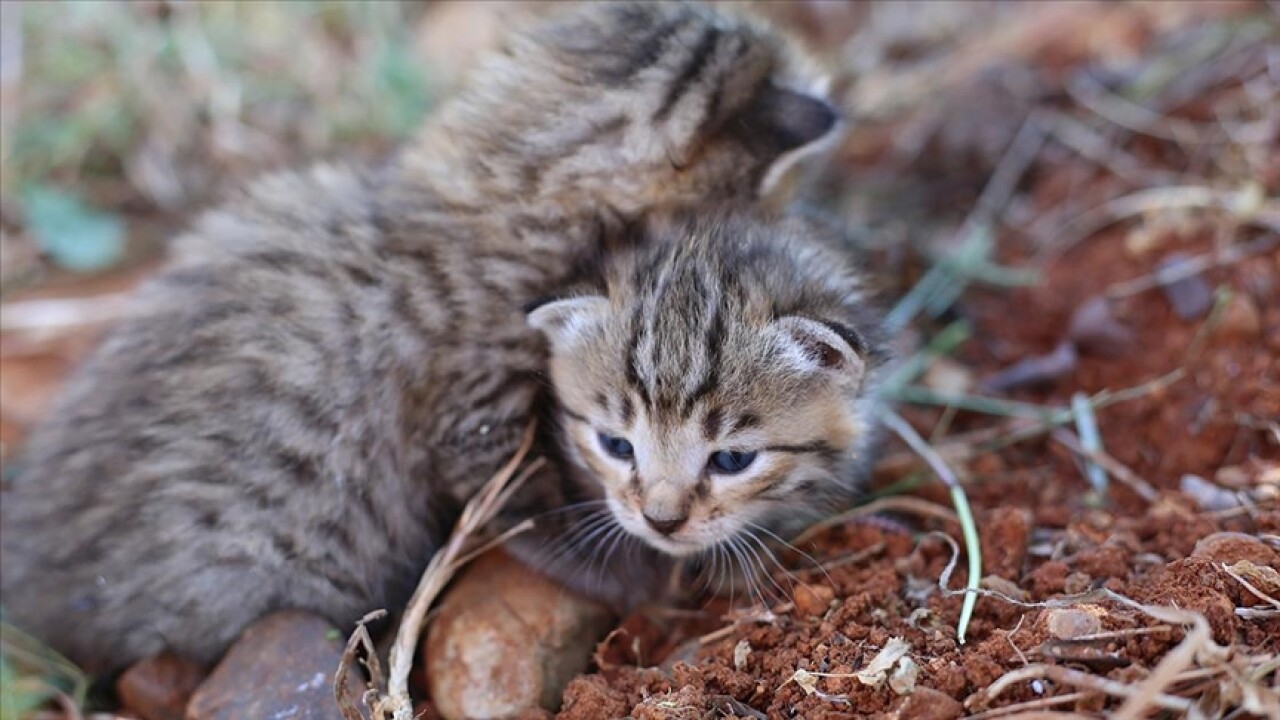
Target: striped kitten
[335,360]
[714,393]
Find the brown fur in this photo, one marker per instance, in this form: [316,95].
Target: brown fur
[336,359]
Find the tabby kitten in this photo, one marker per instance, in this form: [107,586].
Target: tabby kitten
[715,393]
[335,361]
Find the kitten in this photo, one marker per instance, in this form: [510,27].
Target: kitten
[716,392]
[334,361]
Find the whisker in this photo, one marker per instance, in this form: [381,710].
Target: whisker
[796,550]
[790,577]
[582,532]
[722,569]
[763,570]
[608,553]
[569,508]
[584,565]
[752,586]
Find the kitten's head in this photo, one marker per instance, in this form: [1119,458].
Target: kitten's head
[719,384]
[642,105]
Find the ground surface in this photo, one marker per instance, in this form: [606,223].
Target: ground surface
[1111,141]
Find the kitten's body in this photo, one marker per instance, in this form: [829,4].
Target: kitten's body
[336,360]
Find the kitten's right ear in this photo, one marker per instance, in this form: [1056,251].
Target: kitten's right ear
[565,322]
[817,346]
[781,120]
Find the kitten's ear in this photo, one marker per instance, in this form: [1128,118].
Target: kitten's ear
[564,322]
[782,120]
[815,346]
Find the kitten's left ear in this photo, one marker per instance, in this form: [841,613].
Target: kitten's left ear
[565,322]
[781,120]
[817,346]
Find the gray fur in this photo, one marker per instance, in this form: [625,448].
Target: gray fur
[335,360]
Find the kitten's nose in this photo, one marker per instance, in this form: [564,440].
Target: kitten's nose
[668,526]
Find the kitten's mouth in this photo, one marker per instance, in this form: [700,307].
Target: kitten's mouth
[668,545]
[673,544]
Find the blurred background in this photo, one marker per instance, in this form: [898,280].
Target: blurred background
[122,118]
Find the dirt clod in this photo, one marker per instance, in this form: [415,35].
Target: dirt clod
[1231,547]
[813,600]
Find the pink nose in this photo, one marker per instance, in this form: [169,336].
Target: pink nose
[667,526]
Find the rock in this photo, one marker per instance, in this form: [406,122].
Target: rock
[1191,297]
[1094,328]
[948,376]
[507,640]
[159,687]
[813,600]
[1241,319]
[1208,496]
[1034,370]
[281,668]
[1232,547]
[1071,623]
[928,704]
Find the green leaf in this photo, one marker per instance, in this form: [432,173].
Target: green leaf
[75,236]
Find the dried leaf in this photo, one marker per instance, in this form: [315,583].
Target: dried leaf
[877,670]
[741,652]
[807,681]
[1265,579]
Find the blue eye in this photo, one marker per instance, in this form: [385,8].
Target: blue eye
[731,461]
[617,447]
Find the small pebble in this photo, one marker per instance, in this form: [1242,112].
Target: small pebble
[928,704]
[1094,328]
[159,687]
[1070,623]
[1190,297]
[813,600]
[1034,370]
[1241,319]
[1206,495]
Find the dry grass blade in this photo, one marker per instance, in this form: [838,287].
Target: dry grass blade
[903,504]
[395,703]
[1081,679]
[1025,709]
[1243,205]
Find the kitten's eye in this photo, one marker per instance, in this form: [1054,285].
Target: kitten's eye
[731,461]
[617,447]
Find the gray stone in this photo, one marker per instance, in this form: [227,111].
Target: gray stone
[281,668]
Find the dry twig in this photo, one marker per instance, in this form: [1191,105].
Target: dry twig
[395,702]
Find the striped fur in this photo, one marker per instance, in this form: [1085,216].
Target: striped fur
[336,359]
[722,332]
